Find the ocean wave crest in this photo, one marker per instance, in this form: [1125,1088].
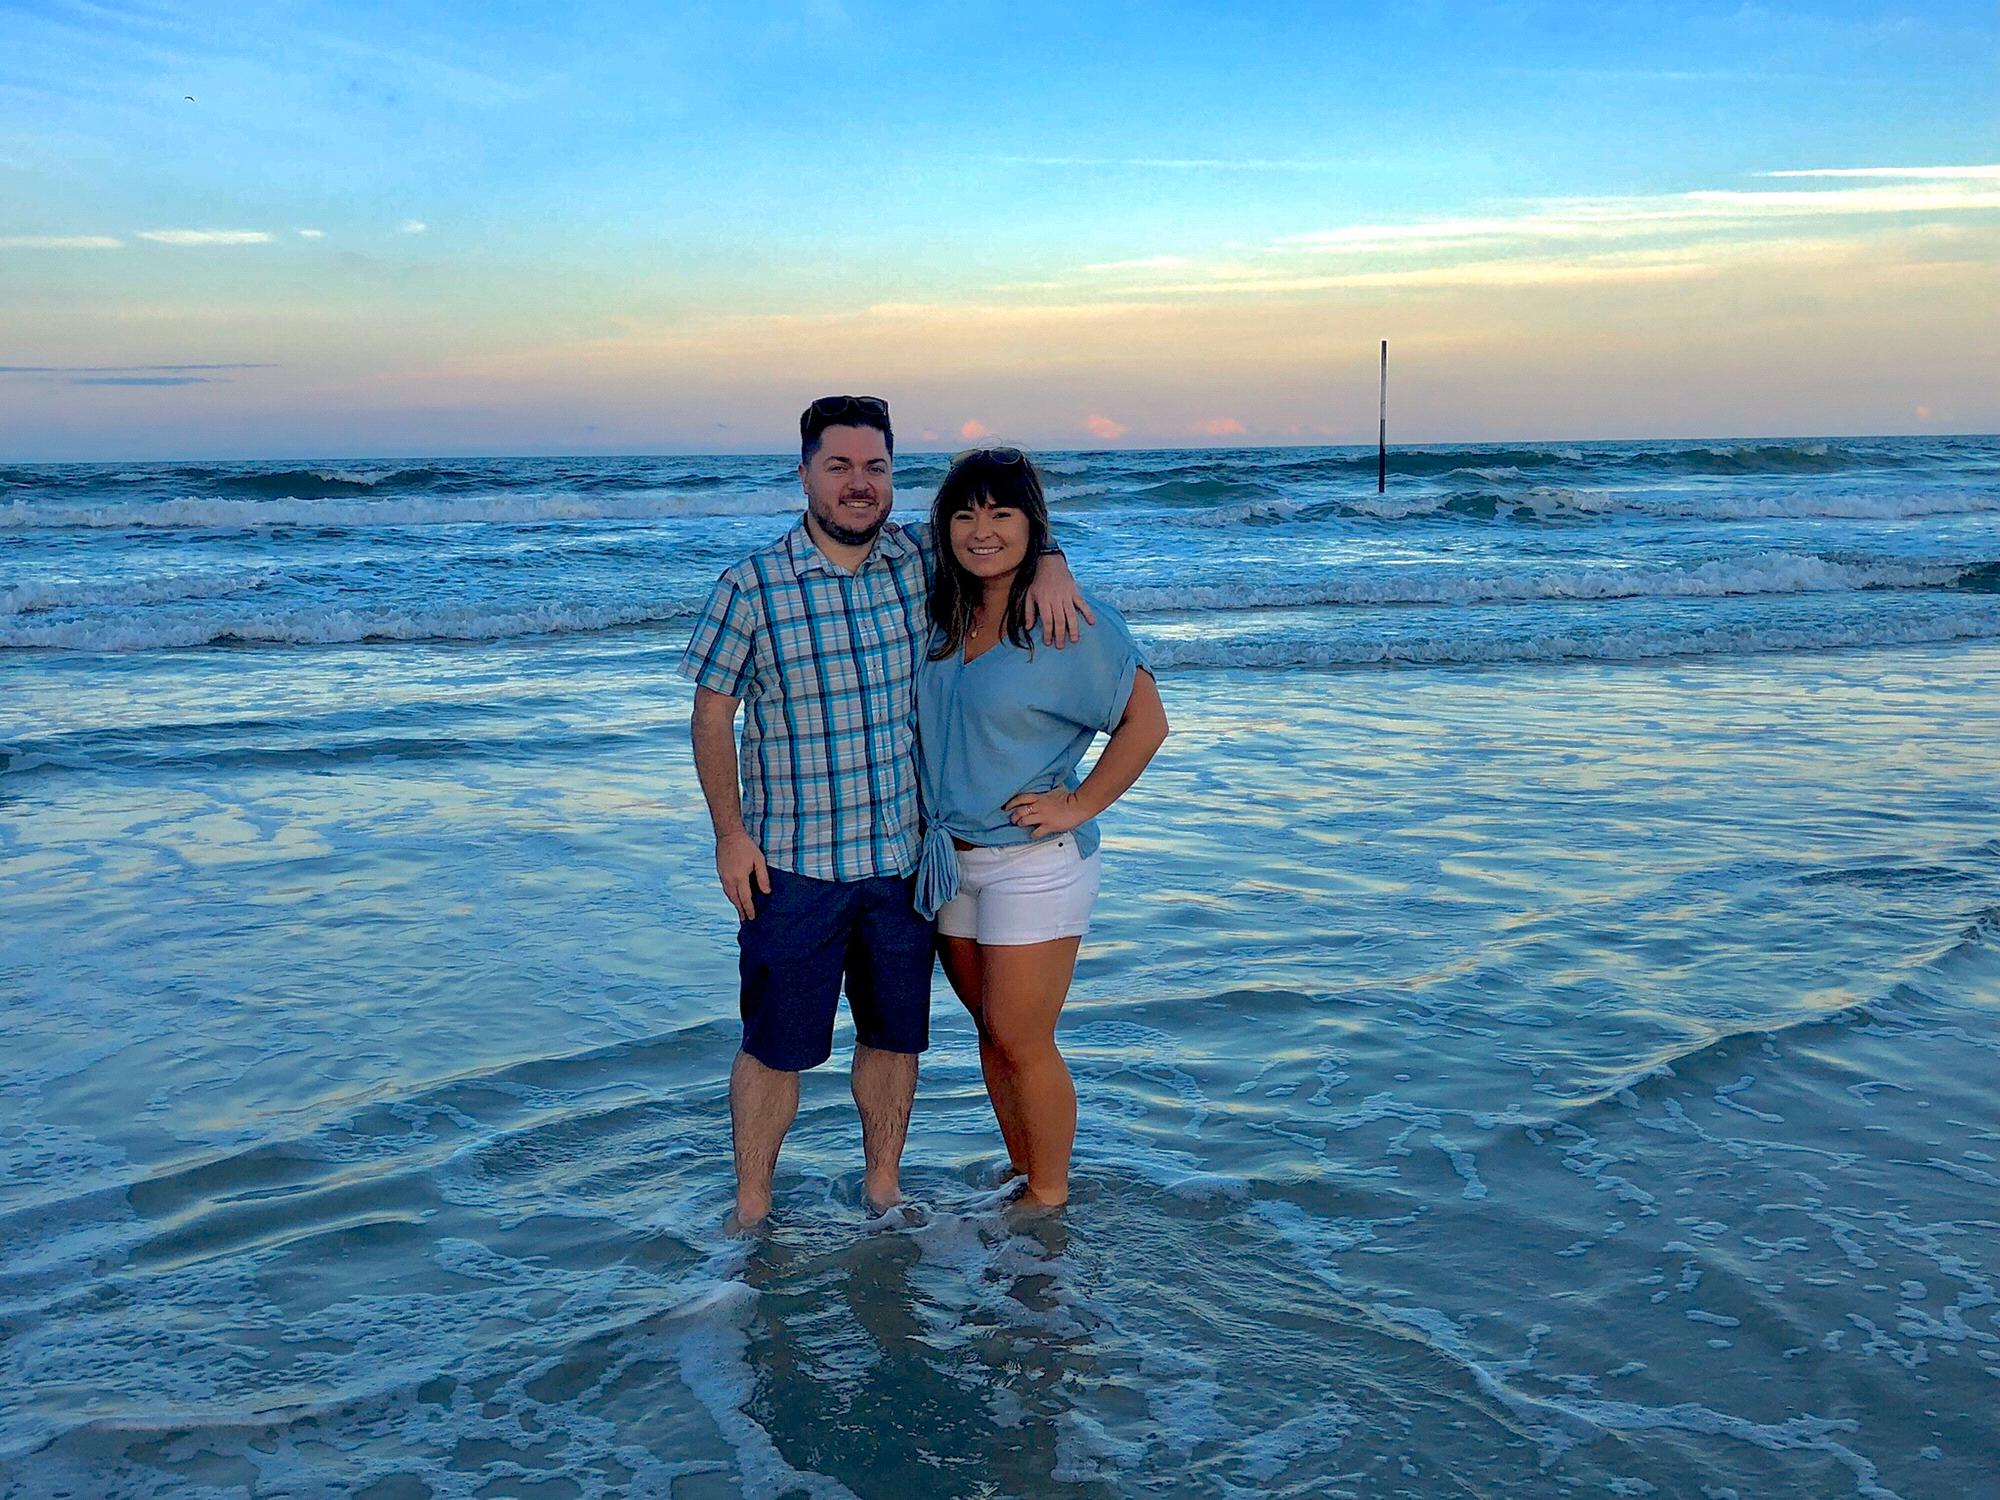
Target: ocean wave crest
[1639,644]
[1548,504]
[307,484]
[1822,456]
[1510,461]
[1201,491]
[329,625]
[1765,573]
[203,513]
[41,597]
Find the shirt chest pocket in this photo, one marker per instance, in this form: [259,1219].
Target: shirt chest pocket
[810,668]
[868,634]
[880,632]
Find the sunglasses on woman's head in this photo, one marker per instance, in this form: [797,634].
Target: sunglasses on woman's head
[991,455]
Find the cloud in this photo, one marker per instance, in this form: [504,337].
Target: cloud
[414,226]
[310,234]
[206,236]
[142,380]
[1105,429]
[1221,427]
[124,369]
[1929,191]
[59,242]
[1147,263]
[1967,174]
[1014,314]
[1957,195]
[1518,271]
[1578,241]
[1177,163]
[973,430]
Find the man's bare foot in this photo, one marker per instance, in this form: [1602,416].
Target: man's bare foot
[750,1216]
[879,1196]
[1043,1200]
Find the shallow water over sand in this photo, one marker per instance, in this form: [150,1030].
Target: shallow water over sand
[1501,1080]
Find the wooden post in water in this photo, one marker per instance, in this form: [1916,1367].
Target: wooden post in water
[1382,428]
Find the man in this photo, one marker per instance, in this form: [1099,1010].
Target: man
[818,637]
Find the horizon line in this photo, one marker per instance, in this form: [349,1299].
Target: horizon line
[419,457]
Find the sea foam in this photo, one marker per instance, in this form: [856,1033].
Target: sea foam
[1762,573]
[502,509]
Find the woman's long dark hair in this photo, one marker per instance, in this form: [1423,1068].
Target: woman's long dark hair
[1002,479]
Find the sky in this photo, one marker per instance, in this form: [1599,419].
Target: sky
[296,230]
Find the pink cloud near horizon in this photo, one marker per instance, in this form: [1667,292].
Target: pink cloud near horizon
[974,429]
[1105,428]
[1221,427]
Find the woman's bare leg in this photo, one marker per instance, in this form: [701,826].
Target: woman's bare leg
[1022,989]
[963,966]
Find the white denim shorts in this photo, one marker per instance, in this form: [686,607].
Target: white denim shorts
[1022,893]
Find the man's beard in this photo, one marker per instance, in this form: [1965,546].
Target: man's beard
[850,536]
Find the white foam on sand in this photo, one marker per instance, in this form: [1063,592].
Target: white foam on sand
[715,1367]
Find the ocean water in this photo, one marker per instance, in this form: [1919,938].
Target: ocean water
[1538,1038]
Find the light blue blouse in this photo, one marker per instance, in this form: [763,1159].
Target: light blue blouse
[1015,719]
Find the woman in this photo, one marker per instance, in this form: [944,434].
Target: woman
[1010,861]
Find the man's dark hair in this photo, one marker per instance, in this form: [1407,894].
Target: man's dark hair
[1002,479]
[843,411]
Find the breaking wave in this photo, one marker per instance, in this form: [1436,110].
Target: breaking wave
[329,625]
[199,513]
[1550,504]
[1646,643]
[168,613]
[1766,573]
[38,596]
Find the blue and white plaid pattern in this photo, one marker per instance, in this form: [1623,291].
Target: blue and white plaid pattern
[825,662]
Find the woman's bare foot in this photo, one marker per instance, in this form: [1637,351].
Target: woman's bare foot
[1047,1224]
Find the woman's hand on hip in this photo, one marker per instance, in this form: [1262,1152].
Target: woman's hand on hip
[1045,814]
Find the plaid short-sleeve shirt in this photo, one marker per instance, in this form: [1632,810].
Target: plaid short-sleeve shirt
[825,662]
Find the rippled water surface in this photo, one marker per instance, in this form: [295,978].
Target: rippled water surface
[1558,1060]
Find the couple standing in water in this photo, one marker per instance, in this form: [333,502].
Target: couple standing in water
[906,791]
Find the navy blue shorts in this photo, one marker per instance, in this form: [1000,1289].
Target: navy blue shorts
[810,934]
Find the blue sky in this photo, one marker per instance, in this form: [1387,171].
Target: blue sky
[431,229]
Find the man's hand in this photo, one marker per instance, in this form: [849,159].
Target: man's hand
[740,865]
[1045,814]
[1054,603]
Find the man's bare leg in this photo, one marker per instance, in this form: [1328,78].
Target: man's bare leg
[885,1084]
[762,1105]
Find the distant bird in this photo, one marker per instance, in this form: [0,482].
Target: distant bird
[188,97]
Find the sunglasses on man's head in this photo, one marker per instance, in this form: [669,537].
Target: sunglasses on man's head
[829,408]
